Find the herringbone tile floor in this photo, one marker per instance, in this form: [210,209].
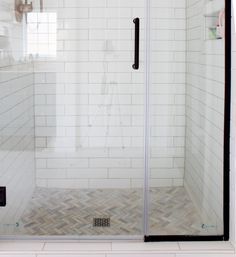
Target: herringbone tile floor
[71,212]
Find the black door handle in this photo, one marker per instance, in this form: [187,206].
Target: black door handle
[136,44]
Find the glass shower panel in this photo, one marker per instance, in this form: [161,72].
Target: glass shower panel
[16,122]
[187,118]
[89,120]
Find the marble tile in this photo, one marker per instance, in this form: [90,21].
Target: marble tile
[146,254]
[17,255]
[219,246]
[21,246]
[165,246]
[60,212]
[206,255]
[72,255]
[77,247]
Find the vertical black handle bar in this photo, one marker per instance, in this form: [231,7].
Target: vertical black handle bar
[136,44]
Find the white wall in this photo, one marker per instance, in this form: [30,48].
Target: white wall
[204,116]
[167,92]
[16,119]
[89,109]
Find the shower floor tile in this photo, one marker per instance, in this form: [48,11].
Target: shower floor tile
[71,212]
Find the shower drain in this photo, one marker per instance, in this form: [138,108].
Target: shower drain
[101,222]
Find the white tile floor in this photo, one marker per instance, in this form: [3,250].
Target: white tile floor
[115,249]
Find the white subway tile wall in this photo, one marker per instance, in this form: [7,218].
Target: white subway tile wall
[89,102]
[204,117]
[167,92]
[89,108]
[16,119]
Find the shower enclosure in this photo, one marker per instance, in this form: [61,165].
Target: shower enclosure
[114,119]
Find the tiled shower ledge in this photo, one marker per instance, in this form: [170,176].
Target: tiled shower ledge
[116,249]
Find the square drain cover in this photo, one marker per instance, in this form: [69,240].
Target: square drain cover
[101,222]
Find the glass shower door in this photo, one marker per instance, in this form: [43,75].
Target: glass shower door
[89,119]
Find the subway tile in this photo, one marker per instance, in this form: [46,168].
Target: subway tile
[72,13]
[106,111]
[109,183]
[67,183]
[201,131]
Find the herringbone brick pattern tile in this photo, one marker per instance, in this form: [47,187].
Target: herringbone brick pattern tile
[71,212]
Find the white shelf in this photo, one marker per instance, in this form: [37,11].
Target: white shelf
[213,7]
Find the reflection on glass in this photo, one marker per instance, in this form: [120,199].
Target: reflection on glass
[42,34]
[72,128]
